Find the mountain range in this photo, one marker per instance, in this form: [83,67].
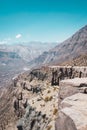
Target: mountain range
[15,57]
[73,47]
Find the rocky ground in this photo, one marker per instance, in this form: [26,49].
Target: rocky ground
[31,90]
[42,108]
[78,61]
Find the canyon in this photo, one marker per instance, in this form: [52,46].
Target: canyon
[37,99]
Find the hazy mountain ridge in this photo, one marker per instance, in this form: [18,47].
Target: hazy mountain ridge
[14,57]
[28,50]
[69,49]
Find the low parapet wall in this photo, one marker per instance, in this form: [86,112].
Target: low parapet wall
[66,72]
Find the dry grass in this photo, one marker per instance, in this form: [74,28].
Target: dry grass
[48,91]
[55,111]
[55,88]
[49,127]
[48,98]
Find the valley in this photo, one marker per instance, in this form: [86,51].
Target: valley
[15,58]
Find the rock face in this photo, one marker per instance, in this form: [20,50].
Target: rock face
[64,122]
[75,85]
[72,86]
[63,72]
[33,120]
[72,105]
[77,110]
[43,107]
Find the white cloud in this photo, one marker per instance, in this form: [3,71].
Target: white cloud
[18,36]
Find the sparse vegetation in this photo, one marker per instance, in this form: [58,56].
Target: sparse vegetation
[48,91]
[49,127]
[55,88]
[32,101]
[48,98]
[55,111]
[42,105]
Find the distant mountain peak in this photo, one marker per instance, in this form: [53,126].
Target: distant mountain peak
[71,48]
[85,27]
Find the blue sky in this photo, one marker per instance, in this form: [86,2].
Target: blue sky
[41,20]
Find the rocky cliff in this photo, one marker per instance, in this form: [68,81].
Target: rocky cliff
[31,100]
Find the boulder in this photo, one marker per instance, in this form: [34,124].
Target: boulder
[72,105]
[70,87]
[64,122]
[76,108]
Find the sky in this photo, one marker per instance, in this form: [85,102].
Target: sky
[41,20]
